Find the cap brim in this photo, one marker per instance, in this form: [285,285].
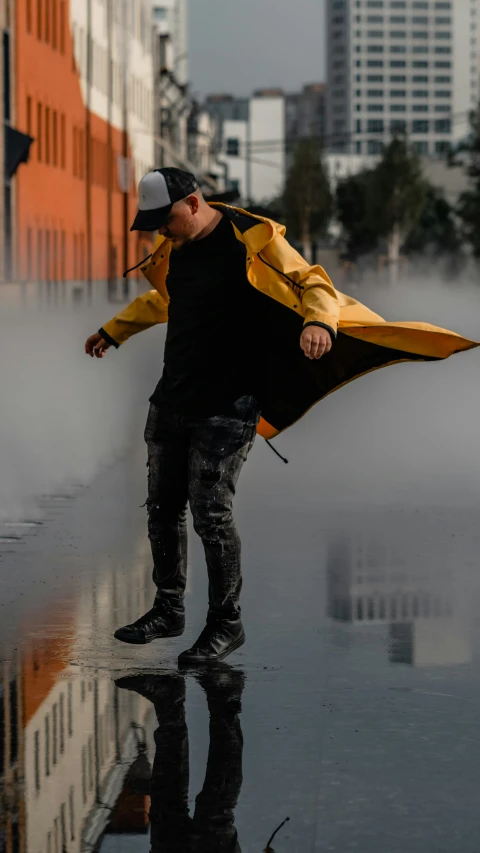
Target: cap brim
[151,220]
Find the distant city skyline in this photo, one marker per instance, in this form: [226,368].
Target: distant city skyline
[236,48]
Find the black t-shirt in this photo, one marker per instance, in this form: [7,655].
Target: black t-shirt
[212,350]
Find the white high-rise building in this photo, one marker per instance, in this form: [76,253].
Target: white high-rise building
[394,65]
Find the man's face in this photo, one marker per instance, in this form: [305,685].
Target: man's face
[180,227]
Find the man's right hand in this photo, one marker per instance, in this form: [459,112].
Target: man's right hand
[95,346]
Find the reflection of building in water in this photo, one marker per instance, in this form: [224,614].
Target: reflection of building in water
[420,597]
[80,736]
[12,803]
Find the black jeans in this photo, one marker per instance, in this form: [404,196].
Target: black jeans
[197,461]
[212,827]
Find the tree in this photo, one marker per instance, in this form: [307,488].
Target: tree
[398,194]
[307,197]
[352,206]
[469,202]
[383,203]
[436,231]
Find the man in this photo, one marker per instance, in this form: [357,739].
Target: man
[211,829]
[252,343]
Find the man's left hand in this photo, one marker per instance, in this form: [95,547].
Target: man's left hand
[315,341]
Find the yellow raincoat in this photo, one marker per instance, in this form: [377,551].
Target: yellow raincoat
[292,383]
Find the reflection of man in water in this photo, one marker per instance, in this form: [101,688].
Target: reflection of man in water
[211,830]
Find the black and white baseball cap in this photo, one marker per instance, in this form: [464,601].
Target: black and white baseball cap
[157,193]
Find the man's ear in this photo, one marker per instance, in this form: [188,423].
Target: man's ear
[193,203]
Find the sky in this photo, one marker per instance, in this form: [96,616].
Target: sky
[240,45]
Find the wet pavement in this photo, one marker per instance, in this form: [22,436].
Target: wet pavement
[353,708]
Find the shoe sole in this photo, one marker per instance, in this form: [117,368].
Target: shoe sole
[199,661]
[124,639]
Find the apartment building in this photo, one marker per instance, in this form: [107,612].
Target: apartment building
[83,91]
[401,65]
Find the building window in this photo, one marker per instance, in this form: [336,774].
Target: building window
[420,4]
[398,78]
[62,142]
[375,48]
[443,93]
[420,21]
[62,26]
[398,19]
[398,63]
[398,4]
[398,108]
[444,50]
[39,132]
[69,705]
[420,78]
[358,125]
[84,775]
[375,34]
[398,34]
[48,255]
[375,93]
[443,125]
[47,21]
[444,7]
[375,78]
[441,147]
[47,718]
[398,48]
[54,718]
[420,34]
[40,256]
[374,4]
[47,135]
[36,740]
[443,21]
[29,254]
[375,63]
[420,63]
[375,108]
[420,108]
[420,93]
[398,125]
[61,721]
[358,147]
[420,126]
[375,19]
[420,48]
[29,116]
[71,810]
[54,138]
[442,108]
[39,19]
[420,147]
[374,146]
[54,24]
[375,125]
[398,93]
[443,34]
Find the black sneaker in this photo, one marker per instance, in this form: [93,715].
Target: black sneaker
[219,638]
[163,620]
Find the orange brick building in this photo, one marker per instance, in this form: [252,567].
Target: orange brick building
[83,90]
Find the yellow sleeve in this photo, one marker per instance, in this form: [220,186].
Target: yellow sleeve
[147,310]
[318,295]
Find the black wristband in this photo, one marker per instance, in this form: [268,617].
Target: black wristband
[106,337]
[322,326]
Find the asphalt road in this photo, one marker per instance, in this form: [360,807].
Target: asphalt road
[352,709]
